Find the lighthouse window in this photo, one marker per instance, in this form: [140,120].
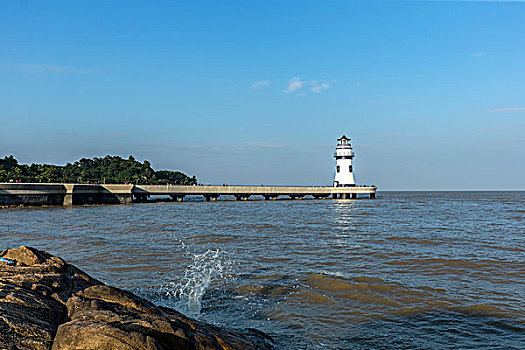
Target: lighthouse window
[350,168]
[338,168]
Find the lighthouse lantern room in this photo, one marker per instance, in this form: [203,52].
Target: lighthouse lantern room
[344,173]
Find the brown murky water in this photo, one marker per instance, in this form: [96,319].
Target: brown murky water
[409,270]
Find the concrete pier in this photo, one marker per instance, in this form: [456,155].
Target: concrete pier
[12,194]
[243,193]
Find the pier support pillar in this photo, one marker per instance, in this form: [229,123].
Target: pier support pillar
[68,200]
[372,196]
[354,195]
[68,197]
[177,198]
[141,198]
[124,198]
[345,196]
[207,198]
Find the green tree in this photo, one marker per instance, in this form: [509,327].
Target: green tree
[110,169]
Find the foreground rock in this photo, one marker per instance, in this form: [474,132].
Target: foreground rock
[46,303]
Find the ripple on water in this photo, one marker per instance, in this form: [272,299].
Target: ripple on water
[413,240]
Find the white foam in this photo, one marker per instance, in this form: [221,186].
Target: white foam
[188,292]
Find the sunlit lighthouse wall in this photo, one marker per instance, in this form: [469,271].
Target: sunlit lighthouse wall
[344,173]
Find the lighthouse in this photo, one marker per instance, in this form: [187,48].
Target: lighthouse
[344,173]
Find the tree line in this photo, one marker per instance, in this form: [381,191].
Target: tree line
[110,169]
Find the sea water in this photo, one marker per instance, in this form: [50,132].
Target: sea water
[409,270]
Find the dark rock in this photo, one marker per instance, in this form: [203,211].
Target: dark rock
[33,294]
[45,303]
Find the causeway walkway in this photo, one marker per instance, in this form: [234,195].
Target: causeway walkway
[212,192]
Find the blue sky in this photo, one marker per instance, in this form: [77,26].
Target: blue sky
[431,93]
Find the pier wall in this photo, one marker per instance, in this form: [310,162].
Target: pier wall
[21,194]
[31,194]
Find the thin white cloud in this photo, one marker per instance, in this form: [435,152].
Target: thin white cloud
[264,145]
[259,84]
[319,87]
[48,68]
[232,84]
[508,109]
[93,137]
[298,86]
[294,84]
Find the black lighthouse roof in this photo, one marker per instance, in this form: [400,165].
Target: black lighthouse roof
[343,138]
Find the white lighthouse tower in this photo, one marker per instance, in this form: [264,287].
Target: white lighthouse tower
[344,173]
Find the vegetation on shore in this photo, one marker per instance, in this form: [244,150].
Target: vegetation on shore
[110,169]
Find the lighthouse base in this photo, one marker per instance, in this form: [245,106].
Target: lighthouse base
[337,184]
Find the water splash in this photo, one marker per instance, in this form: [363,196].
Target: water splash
[204,269]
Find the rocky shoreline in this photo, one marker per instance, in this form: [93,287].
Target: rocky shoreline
[46,303]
